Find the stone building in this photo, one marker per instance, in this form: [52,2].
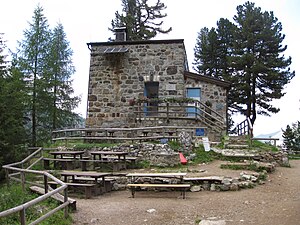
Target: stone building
[148,83]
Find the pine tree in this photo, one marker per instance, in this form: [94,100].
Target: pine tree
[61,90]
[288,137]
[201,52]
[12,111]
[260,60]
[32,57]
[143,21]
[250,56]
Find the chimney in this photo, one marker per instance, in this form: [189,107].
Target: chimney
[121,33]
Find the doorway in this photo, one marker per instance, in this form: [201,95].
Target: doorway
[151,92]
[194,93]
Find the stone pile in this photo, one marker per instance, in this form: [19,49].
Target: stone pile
[246,180]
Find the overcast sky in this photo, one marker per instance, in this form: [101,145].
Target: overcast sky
[88,21]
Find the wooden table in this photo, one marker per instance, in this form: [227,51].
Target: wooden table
[118,160]
[67,153]
[95,175]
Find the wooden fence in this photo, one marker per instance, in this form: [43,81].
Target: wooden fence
[123,134]
[17,171]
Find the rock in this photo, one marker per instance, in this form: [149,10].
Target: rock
[151,210]
[213,187]
[195,188]
[234,187]
[224,187]
[212,222]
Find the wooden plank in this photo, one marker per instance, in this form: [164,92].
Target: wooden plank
[161,185]
[57,196]
[156,175]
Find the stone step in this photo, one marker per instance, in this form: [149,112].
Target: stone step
[237,146]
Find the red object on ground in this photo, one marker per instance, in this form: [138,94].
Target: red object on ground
[183,160]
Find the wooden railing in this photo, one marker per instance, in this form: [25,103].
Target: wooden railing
[16,172]
[245,128]
[123,134]
[193,110]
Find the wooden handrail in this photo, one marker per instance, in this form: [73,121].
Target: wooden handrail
[245,128]
[22,208]
[163,133]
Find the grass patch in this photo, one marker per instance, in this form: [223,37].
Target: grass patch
[204,157]
[251,167]
[175,145]
[262,146]
[13,195]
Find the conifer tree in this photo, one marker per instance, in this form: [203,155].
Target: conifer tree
[12,112]
[61,91]
[143,21]
[44,59]
[259,60]
[250,56]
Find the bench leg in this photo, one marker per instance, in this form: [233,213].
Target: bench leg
[132,191]
[183,193]
[88,192]
[46,164]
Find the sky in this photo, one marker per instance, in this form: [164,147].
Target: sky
[88,21]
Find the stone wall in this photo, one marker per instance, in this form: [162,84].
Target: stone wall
[157,154]
[117,78]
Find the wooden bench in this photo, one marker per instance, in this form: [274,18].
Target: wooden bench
[65,164]
[182,187]
[87,187]
[57,196]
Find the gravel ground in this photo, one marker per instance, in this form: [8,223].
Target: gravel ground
[277,202]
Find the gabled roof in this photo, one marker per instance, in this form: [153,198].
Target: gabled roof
[208,79]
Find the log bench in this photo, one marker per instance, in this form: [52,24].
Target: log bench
[87,187]
[65,164]
[182,187]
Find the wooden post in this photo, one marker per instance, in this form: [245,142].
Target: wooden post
[65,200]
[46,184]
[140,112]
[23,217]
[23,180]
[168,112]
[7,177]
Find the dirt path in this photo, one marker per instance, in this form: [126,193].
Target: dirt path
[277,202]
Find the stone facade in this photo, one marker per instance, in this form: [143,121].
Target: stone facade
[119,77]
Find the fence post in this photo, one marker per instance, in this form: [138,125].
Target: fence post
[23,180]
[46,184]
[168,112]
[23,217]
[65,200]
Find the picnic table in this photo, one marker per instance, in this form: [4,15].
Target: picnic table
[115,160]
[62,154]
[180,185]
[83,176]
